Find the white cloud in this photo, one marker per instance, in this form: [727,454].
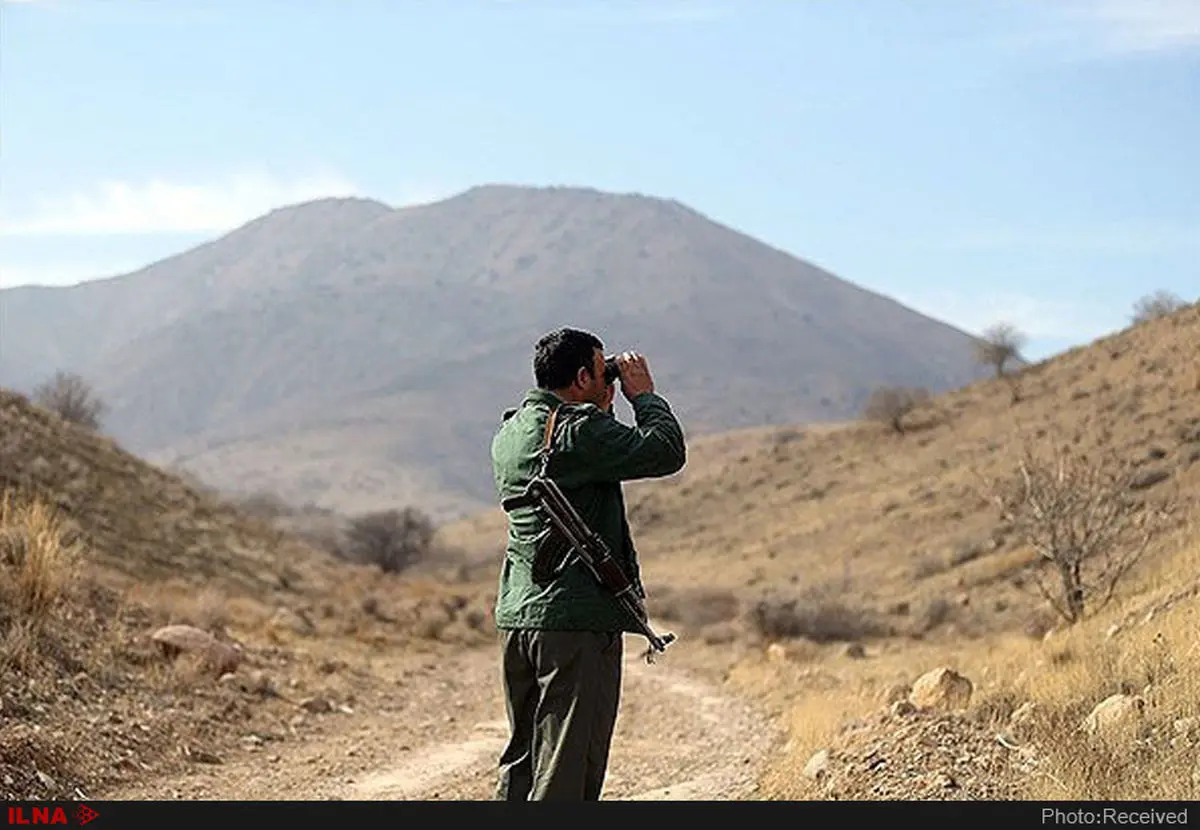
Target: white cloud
[1139,26]
[160,206]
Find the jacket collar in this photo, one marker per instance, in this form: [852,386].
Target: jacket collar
[535,397]
[542,397]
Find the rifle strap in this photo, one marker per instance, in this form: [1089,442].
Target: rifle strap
[548,439]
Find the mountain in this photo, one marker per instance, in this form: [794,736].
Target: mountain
[359,356]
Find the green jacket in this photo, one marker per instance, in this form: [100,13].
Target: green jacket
[593,454]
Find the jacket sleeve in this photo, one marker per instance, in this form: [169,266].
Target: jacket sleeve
[602,449]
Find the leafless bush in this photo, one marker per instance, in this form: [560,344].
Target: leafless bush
[696,608]
[1156,305]
[933,613]
[815,617]
[1082,515]
[72,398]
[390,539]
[890,404]
[998,346]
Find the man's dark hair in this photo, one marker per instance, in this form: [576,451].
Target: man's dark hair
[558,357]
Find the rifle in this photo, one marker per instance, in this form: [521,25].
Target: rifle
[584,545]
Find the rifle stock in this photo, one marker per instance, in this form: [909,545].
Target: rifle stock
[544,495]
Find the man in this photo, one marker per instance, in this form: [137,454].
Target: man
[562,637]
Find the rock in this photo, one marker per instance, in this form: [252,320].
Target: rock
[183,638]
[173,640]
[316,706]
[901,708]
[817,766]
[1187,726]
[854,651]
[1148,479]
[1115,715]
[260,683]
[899,691]
[776,653]
[941,689]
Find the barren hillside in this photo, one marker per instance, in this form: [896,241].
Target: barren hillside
[838,565]
[897,523]
[317,351]
[99,550]
[846,580]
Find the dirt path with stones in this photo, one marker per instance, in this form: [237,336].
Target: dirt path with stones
[437,733]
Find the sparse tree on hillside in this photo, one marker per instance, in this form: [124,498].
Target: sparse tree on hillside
[72,398]
[1084,517]
[1158,304]
[890,404]
[390,539]
[999,345]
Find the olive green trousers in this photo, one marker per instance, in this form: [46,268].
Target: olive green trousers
[563,691]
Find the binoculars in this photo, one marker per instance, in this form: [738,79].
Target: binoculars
[611,370]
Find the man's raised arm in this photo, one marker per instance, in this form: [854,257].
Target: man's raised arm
[604,449]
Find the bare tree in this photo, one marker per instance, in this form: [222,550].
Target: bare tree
[1156,305]
[1083,516]
[890,404]
[72,398]
[999,345]
[391,539]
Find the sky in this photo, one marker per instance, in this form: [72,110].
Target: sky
[1024,161]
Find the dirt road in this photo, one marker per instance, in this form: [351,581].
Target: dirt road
[438,733]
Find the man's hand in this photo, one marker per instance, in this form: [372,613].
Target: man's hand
[635,375]
[610,392]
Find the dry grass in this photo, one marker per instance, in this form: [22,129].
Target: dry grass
[812,537]
[889,522]
[1065,675]
[98,549]
[860,534]
[40,560]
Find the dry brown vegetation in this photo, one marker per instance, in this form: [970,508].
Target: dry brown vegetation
[892,405]
[834,565]
[72,398]
[99,550]
[1156,305]
[999,346]
[848,560]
